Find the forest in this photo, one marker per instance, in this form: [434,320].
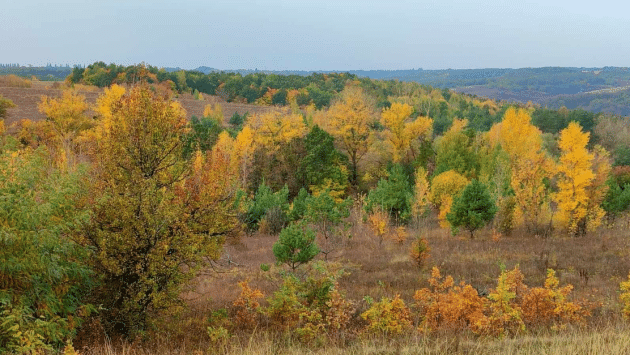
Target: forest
[354,214]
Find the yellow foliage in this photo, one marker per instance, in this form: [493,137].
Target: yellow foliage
[379,223]
[575,177]
[389,317]
[273,128]
[421,192]
[444,188]
[66,117]
[529,165]
[625,297]
[244,148]
[349,120]
[215,112]
[448,307]
[508,309]
[402,133]
[105,104]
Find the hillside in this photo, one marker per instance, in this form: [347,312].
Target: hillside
[27,100]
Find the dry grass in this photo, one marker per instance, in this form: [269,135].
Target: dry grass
[611,339]
[14,81]
[594,264]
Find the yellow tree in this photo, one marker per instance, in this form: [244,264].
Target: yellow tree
[66,116]
[244,148]
[529,165]
[580,188]
[421,193]
[274,127]
[155,216]
[349,120]
[402,132]
[444,187]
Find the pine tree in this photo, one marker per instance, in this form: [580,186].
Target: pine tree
[472,209]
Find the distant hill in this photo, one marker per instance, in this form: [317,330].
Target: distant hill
[604,89]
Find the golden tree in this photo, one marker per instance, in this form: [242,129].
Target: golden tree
[156,217]
[275,127]
[444,187]
[349,120]
[529,165]
[402,132]
[580,189]
[67,117]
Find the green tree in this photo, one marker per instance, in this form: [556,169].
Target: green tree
[393,194]
[323,164]
[295,246]
[202,135]
[156,218]
[327,214]
[472,209]
[44,279]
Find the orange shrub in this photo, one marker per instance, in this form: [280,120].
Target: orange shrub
[247,305]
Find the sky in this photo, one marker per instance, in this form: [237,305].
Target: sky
[317,35]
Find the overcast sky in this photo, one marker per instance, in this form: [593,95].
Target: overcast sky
[317,35]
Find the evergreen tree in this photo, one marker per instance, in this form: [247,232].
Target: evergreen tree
[295,245]
[472,209]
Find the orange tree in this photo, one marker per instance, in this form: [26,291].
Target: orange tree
[155,216]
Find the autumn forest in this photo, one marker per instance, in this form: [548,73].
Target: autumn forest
[146,211]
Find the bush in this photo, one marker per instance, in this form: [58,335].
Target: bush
[389,317]
[44,280]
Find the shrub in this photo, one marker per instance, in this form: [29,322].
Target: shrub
[247,305]
[44,280]
[390,317]
[446,306]
[420,251]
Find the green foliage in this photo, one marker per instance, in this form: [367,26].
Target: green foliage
[298,208]
[323,163]
[295,245]
[472,209]
[264,201]
[393,194]
[311,307]
[617,199]
[456,151]
[44,280]
[203,134]
[327,215]
[238,120]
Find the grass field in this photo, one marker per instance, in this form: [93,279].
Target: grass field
[594,265]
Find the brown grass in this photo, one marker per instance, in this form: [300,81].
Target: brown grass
[28,97]
[594,265]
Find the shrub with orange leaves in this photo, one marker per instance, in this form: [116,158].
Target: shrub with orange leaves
[448,307]
[247,305]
